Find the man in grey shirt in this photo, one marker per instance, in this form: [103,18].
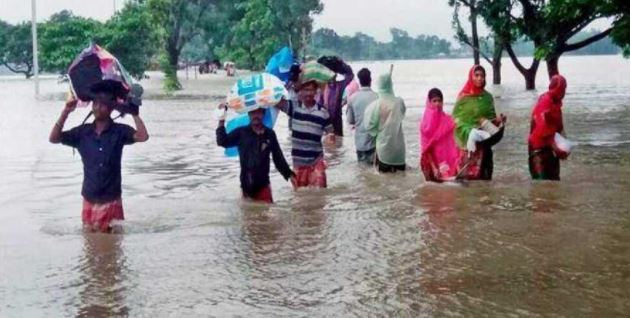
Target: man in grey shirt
[357,104]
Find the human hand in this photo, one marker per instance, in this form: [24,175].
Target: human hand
[223,107]
[559,153]
[501,120]
[331,138]
[70,106]
[294,182]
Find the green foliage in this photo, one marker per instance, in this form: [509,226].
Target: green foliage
[16,48]
[178,22]
[258,28]
[130,36]
[62,38]
[364,47]
[171,83]
[553,25]
[621,35]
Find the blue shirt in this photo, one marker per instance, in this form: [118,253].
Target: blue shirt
[101,156]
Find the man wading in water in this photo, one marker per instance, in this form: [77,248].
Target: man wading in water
[255,143]
[100,145]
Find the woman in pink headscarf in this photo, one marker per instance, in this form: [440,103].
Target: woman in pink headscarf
[439,157]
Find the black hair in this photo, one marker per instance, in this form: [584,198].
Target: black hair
[480,68]
[104,98]
[435,92]
[314,83]
[365,77]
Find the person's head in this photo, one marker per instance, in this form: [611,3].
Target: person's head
[365,77]
[479,76]
[308,91]
[558,87]
[256,116]
[436,99]
[102,105]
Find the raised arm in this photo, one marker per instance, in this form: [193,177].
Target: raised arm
[57,129]
[224,139]
[141,134]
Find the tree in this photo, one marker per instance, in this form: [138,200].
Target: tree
[294,19]
[130,36]
[492,45]
[473,40]
[261,27]
[551,25]
[63,36]
[179,21]
[364,47]
[621,31]
[16,48]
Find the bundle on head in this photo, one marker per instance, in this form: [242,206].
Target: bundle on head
[334,63]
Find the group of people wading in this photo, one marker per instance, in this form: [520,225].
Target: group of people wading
[452,147]
[457,147]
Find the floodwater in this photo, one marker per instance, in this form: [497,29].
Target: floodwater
[369,245]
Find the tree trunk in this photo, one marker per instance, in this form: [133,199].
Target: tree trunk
[475,33]
[530,76]
[496,63]
[552,65]
[171,82]
[528,73]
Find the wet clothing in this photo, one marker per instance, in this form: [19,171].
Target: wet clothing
[479,165]
[543,164]
[439,155]
[366,157]
[99,216]
[545,123]
[547,115]
[308,126]
[383,121]
[332,98]
[254,151]
[357,104]
[385,168]
[312,176]
[263,195]
[101,156]
[473,104]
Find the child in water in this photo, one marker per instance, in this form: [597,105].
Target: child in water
[439,155]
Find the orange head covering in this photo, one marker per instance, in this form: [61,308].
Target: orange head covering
[470,89]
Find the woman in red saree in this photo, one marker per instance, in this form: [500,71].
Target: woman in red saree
[439,156]
[475,106]
[544,155]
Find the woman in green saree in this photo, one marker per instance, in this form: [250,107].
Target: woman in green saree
[474,114]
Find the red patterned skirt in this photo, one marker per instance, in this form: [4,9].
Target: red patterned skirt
[312,176]
[99,216]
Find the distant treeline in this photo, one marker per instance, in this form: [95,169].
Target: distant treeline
[364,47]
[361,46]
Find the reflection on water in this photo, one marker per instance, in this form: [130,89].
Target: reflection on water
[102,276]
[369,245]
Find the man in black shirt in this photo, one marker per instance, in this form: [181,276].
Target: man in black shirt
[100,145]
[255,143]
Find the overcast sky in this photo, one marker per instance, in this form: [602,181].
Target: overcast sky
[373,17]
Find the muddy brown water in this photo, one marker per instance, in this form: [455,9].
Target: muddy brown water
[369,245]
